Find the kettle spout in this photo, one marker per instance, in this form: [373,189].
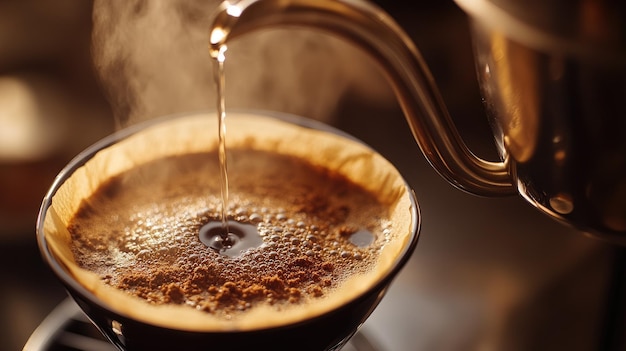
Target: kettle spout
[378,35]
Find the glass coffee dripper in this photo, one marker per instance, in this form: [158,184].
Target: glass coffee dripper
[130,323]
[553,77]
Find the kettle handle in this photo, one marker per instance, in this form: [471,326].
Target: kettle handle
[372,30]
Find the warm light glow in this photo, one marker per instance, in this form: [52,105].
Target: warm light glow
[217,35]
[23,133]
[233,10]
[221,54]
[562,203]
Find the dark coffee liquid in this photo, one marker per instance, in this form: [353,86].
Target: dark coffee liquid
[240,237]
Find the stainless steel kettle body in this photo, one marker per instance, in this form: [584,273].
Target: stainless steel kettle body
[553,75]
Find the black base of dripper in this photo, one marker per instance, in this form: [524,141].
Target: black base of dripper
[67,329]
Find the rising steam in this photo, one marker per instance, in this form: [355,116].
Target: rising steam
[152,59]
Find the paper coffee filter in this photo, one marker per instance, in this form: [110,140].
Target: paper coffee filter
[197,133]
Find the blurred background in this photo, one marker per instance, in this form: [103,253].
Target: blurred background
[487,274]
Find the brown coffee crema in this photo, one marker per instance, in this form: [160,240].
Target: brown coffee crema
[125,225]
[139,231]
